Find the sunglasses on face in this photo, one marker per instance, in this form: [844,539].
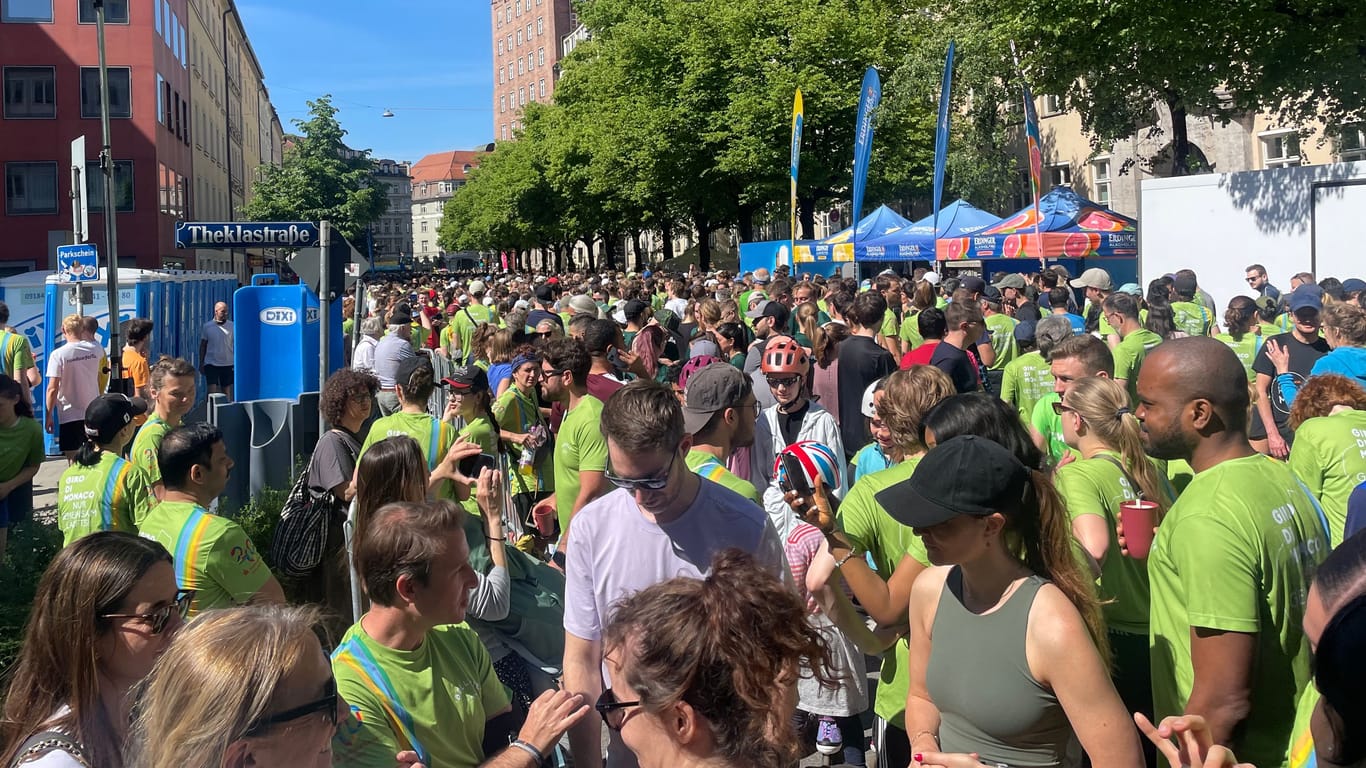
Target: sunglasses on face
[781,381]
[327,704]
[157,618]
[633,484]
[613,712]
[1059,408]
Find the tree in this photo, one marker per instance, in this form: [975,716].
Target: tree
[320,179]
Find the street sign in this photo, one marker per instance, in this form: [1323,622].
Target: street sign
[80,202]
[78,263]
[345,262]
[245,234]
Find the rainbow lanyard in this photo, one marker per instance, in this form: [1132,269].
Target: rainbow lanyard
[187,547]
[357,657]
[111,490]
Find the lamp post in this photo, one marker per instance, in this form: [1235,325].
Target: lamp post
[111,232]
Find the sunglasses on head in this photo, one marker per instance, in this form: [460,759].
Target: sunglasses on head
[327,704]
[157,618]
[613,712]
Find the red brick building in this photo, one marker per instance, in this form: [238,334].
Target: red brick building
[527,39]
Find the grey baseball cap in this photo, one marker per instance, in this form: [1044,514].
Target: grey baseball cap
[714,388]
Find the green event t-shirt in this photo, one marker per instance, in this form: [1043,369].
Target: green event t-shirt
[212,554]
[434,700]
[1025,381]
[1129,358]
[1302,752]
[705,465]
[1329,456]
[871,529]
[1236,553]
[910,331]
[517,412]
[1049,424]
[890,327]
[21,446]
[112,495]
[146,443]
[433,436]
[464,322]
[1193,318]
[480,431]
[579,447]
[1245,348]
[1002,330]
[1096,486]
[15,354]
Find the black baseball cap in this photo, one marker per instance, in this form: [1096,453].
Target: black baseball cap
[966,475]
[410,365]
[972,283]
[400,316]
[468,378]
[108,414]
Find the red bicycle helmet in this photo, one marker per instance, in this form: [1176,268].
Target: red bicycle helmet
[784,355]
[694,365]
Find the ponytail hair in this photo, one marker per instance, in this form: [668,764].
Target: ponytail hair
[1040,534]
[88,455]
[1240,316]
[1104,405]
[11,388]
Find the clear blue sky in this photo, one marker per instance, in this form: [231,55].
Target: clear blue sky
[429,61]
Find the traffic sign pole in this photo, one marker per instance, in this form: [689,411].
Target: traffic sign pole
[111,232]
[324,316]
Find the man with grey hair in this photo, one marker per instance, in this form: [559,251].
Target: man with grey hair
[391,350]
[363,357]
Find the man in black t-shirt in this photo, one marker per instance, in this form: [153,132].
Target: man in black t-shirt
[964,321]
[546,296]
[1305,346]
[862,361]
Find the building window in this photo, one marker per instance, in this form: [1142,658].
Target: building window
[540,25]
[424,245]
[424,225]
[502,74]
[30,188]
[500,17]
[120,97]
[505,132]
[542,89]
[521,97]
[1052,105]
[185,115]
[540,58]
[1100,181]
[528,31]
[502,103]
[30,11]
[1351,143]
[521,66]
[500,47]
[156,12]
[519,37]
[115,11]
[1280,149]
[123,186]
[1059,175]
[30,92]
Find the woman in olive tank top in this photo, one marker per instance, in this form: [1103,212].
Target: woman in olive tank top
[1009,663]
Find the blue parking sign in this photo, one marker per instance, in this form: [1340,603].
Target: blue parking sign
[78,263]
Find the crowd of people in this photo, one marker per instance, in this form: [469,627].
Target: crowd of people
[1075,524]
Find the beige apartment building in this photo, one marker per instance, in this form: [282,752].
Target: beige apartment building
[236,130]
[393,233]
[527,50]
[1250,142]
[436,177]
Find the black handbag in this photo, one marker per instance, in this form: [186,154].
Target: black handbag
[301,536]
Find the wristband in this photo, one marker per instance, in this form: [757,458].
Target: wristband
[529,749]
[840,562]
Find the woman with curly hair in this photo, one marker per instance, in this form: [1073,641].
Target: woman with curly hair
[705,671]
[1329,418]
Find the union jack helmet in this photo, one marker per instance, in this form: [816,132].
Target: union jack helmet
[815,458]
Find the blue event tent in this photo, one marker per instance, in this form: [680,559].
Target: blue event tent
[1069,227]
[840,246]
[917,241]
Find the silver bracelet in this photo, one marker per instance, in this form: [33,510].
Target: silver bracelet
[529,749]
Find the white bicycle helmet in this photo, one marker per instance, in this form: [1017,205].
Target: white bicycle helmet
[868,400]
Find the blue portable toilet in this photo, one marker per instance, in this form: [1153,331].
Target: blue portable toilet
[275,353]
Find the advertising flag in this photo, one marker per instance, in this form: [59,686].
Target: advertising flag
[869,98]
[798,116]
[1034,148]
[941,135]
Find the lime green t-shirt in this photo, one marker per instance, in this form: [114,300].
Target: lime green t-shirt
[1329,456]
[21,446]
[871,529]
[890,326]
[517,412]
[705,465]
[910,331]
[433,700]
[480,431]
[112,495]
[146,443]
[212,554]
[579,447]
[15,354]
[1049,424]
[1193,318]
[1245,348]
[1096,486]
[463,325]
[1179,474]
[1002,330]
[1236,553]
[1025,381]
[433,436]
[1129,358]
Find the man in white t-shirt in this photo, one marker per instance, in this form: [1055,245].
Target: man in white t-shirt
[661,522]
[73,380]
[215,351]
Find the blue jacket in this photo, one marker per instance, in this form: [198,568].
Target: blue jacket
[1347,361]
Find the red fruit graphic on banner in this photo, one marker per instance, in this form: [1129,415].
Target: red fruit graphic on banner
[1013,247]
[951,249]
[1077,245]
[1099,222]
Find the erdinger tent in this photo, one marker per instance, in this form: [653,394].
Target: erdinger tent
[840,247]
[1069,227]
[917,242]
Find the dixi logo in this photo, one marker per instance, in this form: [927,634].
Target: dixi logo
[279,316]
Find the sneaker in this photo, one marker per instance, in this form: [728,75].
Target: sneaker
[828,739]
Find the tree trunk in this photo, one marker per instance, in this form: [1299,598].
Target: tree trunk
[1181,147]
[806,218]
[666,233]
[589,256]
[746,224]
[703,225]
[638,250]
[609,251]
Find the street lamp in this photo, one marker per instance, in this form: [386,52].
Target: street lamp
[387,113]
